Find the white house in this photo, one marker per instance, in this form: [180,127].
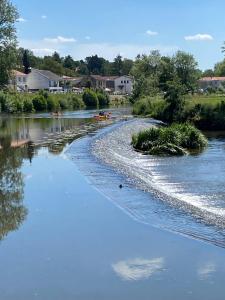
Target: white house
[212,82]
[18,81]
[116,84]
[43,80]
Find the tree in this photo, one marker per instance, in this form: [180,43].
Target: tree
[118,66]
[69,62]
[146,72]
[208,73]
[26,62]
[186,70]
[8,42]
[56,57]
[175,99]
[95,64]
[219,69]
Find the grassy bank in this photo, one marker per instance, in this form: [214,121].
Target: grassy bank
[205,112]
[177,139]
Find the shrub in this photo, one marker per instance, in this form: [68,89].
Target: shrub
[75,102]
[52,103]
[103,98]
[40,103]
[90,98]
[174,140]
[28,105]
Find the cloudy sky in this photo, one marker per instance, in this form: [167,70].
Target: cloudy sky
[126,27]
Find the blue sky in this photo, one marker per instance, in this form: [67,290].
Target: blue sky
[128,27]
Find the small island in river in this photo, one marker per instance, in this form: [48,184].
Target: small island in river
[176,139]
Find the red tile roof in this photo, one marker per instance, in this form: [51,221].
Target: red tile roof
[212,79]
[18,73]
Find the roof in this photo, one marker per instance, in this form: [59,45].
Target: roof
[68,78]
[212,79]
[48,74]
[18,73]
[107,78]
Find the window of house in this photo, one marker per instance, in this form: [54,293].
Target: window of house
[121,81]
[127,81]
[19,79]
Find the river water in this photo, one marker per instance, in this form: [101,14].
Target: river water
[62,235]
[183,194]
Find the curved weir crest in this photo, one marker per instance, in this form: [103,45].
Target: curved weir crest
[176,193]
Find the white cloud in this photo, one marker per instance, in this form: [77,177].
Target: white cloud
[138,269]
[43,51]
[151,33]
[87,37]
[60,40]
[44,17]
[199,37]
[21,20]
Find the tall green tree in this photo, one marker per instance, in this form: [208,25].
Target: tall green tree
[186,70]
[26,62]
[8,41]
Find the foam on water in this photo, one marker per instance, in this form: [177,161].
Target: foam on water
[170,192]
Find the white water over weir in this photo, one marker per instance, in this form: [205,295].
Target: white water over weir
[177,193]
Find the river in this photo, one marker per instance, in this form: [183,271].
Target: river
[67,231]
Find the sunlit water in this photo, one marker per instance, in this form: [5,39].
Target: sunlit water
[183,194]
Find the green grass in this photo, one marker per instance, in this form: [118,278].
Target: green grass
[177,139]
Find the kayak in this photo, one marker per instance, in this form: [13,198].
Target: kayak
[101,118]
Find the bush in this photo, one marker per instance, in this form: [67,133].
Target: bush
[175,140]
[28,106]
[90,98]
[103,99]
[52,104]
[75,102]
[40,103]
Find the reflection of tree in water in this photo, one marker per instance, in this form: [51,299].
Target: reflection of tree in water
[12,211]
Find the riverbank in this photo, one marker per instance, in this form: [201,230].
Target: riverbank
[79,245]
[205,112]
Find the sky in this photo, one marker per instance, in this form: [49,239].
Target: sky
[128,27]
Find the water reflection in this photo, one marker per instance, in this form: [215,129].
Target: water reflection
[138,268]
[20,139]
[206,270]
[12,210]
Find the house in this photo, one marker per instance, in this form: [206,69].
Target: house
[116,84]
[18,81]
[72,83]
[43,80]
[211,82]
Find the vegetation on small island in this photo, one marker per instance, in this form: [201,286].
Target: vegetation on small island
[176,139]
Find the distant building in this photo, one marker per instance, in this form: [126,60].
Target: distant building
[43,80]
[72,83]
[211,82]
[115,84]
[18,81]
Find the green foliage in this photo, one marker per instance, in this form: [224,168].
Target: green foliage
[103,98]
[40,103]
[75,102]
[174,140]
[149,106]
[90,98]
[8,16]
